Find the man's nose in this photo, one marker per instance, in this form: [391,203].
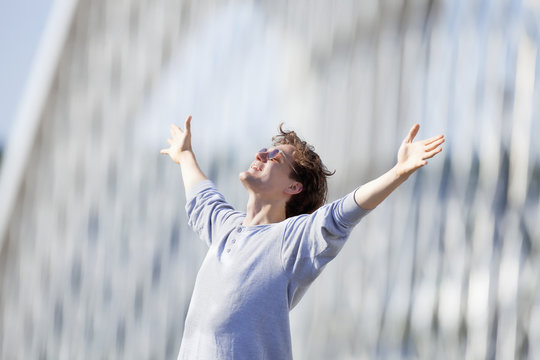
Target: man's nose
[261,156]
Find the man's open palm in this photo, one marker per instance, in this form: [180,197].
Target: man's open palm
[180,142]
[414,155]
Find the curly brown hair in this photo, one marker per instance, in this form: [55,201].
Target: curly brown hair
[310,172]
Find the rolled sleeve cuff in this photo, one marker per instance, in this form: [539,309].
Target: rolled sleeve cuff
[352,212]
[197,188]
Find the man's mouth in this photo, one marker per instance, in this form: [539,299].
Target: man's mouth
[256,166]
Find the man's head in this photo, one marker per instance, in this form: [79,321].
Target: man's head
[289,172]
[309,170]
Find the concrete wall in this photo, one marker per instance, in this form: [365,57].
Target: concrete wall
[96,259]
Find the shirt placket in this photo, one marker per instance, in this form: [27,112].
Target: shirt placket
[233,240]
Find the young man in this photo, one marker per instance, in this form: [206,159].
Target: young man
[260,263]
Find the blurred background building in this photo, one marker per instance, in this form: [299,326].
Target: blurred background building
[97,261]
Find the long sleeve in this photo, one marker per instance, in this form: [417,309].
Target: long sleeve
[311,241]
[208,212]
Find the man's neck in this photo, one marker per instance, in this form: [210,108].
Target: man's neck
[262,211]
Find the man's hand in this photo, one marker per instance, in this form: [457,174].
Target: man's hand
[180,142]
[181,152]
[413,155]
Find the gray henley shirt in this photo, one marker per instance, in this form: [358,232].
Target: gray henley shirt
[252,276]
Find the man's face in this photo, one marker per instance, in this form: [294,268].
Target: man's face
[271,177]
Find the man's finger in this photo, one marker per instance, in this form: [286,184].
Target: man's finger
[412,133]
[430,154]
[434,144]
[175,130]
[435,138]
[170,141]
[187,124]
[164,151]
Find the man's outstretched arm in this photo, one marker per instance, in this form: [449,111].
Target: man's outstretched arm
[411,157]
[181,152]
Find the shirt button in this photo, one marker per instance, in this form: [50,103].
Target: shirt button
[233,241]
[239,230]
[228,250]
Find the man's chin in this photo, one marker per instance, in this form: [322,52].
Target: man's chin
[247,178]
[243,176]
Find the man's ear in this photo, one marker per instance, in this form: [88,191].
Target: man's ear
[294,188]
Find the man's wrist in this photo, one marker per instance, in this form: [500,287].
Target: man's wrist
[185,155]
[400,174]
